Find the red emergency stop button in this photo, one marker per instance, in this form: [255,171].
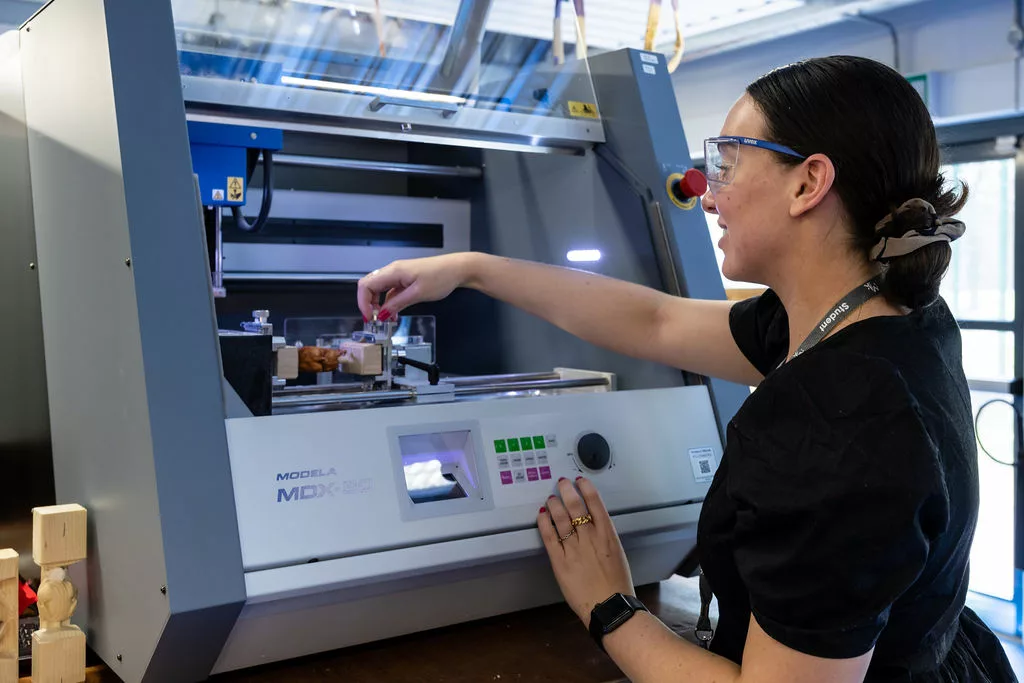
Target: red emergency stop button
[686,188]
[692,184]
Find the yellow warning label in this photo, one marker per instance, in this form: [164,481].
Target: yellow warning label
[236,189]
[584,109]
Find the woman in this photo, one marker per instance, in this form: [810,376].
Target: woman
[837,531]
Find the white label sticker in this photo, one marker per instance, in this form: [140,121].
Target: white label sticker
[704,464]
[648,69]
[648,58]
[218,195]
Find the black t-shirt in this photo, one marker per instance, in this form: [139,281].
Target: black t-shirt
[844,508]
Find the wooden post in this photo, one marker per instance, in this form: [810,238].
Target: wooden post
[58,647]
[8,616]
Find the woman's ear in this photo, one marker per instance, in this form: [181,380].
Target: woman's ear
[813,180]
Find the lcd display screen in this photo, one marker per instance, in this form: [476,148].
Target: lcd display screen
[439,466]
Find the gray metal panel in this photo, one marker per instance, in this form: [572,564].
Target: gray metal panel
[348,110]
[643,130]
[305,624]
[136,389]
[100,422]
[539,208]
[182,360]
[25,423]
[23,390]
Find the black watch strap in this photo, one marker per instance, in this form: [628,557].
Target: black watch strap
[612,613]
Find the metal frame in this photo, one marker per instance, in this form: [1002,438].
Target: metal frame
[1018,399]
[355,112]
[972,140]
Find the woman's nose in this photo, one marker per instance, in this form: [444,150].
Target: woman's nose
[708,202]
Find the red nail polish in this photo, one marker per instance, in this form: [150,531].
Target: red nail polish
[561,479]
[543,510]
[384,315]
[365,319]
[578,478]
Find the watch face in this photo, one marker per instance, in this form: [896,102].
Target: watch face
[613,610]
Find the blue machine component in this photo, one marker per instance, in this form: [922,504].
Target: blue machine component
[221,158]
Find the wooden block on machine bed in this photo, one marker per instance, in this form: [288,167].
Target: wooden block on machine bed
[287,366]
[362,358]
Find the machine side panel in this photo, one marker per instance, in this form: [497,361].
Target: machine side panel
[103,453]
[643,130]
[23,398]
[130,334]
[180,347]
[539,207]
[25,427]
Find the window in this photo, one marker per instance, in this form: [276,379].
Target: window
[979,283]
[979,287]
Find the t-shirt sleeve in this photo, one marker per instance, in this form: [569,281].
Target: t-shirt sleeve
[839,497]
[760,327]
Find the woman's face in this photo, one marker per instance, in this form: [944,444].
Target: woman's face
[753,209]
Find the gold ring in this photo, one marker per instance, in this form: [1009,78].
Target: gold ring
[564,538]
[580,521]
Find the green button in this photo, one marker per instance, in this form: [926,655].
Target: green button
[527,443]
[538,443]
[499,446]
[513,445]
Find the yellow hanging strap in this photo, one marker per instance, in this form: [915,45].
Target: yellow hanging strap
[677,56]
[581,30]
[378,21]
[557,45]
[653,18]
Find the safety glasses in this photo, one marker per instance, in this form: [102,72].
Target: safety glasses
[722,156]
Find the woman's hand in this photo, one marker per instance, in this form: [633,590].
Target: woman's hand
[411,282]
[590,565]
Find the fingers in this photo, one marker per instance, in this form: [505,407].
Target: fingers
[367,295]
[592,499]
[376,283]
[571,499]
[548,533]
[560,516]
[397,299]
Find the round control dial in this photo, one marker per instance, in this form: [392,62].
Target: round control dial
[593,451]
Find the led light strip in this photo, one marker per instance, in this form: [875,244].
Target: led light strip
[372,90]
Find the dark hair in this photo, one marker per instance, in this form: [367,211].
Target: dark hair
[874,127]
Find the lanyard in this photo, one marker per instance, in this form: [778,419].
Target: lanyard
[839,312]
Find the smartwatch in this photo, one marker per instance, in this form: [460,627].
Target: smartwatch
[611,614]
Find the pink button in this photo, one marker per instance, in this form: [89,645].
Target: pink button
[545,472]
[531,474]
[506,478]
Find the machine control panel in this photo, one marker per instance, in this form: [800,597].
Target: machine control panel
[593,451]
[524,459]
